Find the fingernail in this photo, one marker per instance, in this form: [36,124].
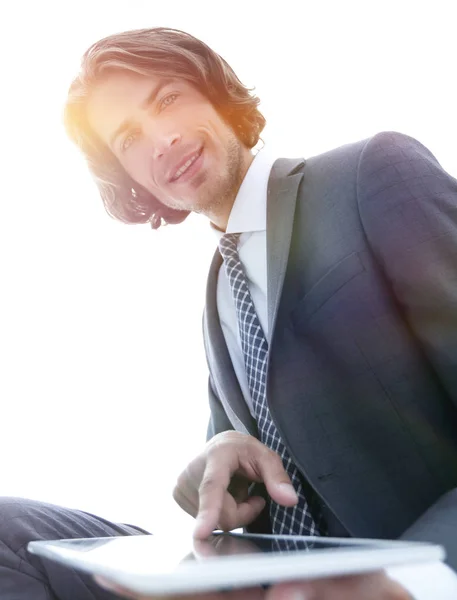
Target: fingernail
[200,526]
[289,490]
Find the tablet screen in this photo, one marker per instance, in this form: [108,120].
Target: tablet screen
[175,563]
[160,554]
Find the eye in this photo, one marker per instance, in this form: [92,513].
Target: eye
[168,100]
[128,141]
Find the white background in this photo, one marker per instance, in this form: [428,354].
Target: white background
[103,376]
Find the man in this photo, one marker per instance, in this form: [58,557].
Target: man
[330,331]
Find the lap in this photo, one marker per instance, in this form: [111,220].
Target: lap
[25,576]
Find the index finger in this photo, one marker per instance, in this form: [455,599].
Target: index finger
[213,487]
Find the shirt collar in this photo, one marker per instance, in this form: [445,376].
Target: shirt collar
[249,211]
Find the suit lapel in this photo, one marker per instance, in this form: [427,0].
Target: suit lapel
[281,200]
[224,378]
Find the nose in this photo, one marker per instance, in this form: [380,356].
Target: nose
[162,141]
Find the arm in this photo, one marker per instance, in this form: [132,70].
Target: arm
[403,191]
[439,525]
[218,420]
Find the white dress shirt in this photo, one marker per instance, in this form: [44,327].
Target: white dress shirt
[248,217]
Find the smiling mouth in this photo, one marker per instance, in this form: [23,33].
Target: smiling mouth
[186,166]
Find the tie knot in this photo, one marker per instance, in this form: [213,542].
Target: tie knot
[228,246]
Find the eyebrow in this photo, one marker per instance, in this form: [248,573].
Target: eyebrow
[151,98]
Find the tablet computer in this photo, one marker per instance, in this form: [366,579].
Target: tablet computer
[177,564]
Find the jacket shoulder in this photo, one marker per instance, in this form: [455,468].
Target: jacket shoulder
[385,141]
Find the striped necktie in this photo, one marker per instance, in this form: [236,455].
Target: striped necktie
[296,520]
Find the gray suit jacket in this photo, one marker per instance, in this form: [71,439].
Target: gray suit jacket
[362,374]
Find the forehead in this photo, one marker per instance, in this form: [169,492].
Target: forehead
[115,98]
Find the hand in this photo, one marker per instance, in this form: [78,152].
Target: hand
[373,586]
[224,545]
[214,487]
[242,594]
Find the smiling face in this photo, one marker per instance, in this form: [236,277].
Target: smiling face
[171,140]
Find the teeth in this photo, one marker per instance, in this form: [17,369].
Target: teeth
[185,166]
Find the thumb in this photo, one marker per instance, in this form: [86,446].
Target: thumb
[276,479]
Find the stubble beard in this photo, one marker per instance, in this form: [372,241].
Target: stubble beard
[219,196]
[219,192]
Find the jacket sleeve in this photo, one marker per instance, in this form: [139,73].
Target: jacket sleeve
[403,190]
[218,420]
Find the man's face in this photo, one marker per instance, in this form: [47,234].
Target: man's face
[171,140]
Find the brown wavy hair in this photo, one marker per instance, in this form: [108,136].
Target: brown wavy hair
[161,52]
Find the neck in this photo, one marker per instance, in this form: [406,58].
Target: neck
[221,217]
